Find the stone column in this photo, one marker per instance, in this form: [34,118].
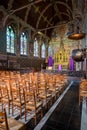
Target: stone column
[40,44]
[46,49]
[31,48]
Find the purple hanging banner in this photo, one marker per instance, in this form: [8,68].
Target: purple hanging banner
[71,64]
[50,61]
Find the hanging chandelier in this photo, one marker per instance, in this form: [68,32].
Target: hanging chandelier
[75,30]
[76,36]
[78,55]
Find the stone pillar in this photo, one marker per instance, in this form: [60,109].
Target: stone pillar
[40,44]
[46,49]
[31,48]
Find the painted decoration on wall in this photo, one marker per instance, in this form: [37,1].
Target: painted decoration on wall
[61,56]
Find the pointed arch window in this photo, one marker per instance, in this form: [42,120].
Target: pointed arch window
[43,51]
[50,51]
[36,48]
[23,44]
[10,40]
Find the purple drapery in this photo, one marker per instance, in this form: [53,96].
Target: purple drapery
[50,61]
[71,64]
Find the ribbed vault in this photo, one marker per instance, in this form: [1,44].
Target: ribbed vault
[42,15]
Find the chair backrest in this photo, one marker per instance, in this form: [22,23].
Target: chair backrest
[3,120]
[30,97]
[4,91]
[83,86]
[15,93]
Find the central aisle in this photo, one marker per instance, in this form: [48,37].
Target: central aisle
[67,115]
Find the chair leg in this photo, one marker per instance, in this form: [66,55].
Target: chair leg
[55,96]
[25,115]
[79,100]
[2,106]
[35,119]
[12,110]
[9,107]
[41,113]
[20,112]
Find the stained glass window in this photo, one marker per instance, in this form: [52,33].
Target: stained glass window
[23,44]
[36,47]
[43,51]
[10,40]
[50,51]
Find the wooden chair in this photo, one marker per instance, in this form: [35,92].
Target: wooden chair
[17,100]
[52,88]
[44,94]
[3,120]
[59,84]
[32,104]
[1,105]
[82,90]
[9,123]
[5,97]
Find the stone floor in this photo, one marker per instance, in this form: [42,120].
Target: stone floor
[67,115]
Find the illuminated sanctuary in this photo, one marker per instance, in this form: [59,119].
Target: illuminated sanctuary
[60,49]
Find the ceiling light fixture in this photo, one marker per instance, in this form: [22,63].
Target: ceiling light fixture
[75,31]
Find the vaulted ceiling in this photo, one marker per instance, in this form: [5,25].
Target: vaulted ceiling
[44,15]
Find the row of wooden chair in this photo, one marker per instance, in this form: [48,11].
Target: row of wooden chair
[82,90]
[30,92]
[20,100]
